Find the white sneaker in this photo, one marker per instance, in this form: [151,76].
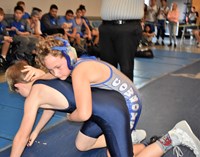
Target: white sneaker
[138,136]
[182,134]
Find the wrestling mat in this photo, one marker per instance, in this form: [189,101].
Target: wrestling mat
[166,101]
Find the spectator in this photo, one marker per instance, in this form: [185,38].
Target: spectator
[20,30]
[94,31]
[49,22]
[5,41]
[79,23]
[34,23]
[173,17]
[162,16]
[152,12]
[196,33]
[39,11]
[147,36]
[120,33]
[68,24]
[193,15]
[25,14]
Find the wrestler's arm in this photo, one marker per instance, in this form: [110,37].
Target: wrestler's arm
[35,74]
[31,106]
[83,96]
[46,116]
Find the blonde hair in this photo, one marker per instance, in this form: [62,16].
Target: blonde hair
[46,47]
[14,75]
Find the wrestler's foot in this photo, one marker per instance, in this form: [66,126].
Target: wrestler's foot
[138,136]
[182,134]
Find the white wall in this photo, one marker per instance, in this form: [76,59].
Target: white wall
[92,6]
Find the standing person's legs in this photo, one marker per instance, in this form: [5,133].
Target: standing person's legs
[107,51]
[170,33]
[159,29]
[174,33]
[126,40]
[163,31]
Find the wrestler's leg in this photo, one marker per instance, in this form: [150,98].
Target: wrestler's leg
[84,142]
[181,134]
[111,117]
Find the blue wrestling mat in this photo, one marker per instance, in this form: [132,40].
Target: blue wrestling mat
[170,99]
[175,98]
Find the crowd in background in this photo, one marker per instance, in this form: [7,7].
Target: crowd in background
[157,16]
[20,33]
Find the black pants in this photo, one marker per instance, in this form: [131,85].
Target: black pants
[118,44]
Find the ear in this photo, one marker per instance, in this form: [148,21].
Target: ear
[17,85]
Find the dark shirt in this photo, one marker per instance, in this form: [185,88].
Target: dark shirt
[83,29]
[49,22]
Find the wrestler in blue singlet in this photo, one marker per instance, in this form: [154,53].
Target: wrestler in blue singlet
[110,117]
[122,84]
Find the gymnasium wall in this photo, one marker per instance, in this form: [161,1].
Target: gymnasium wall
[92,6]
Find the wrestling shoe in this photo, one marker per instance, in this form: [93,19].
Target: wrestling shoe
[182,134]
[138,135]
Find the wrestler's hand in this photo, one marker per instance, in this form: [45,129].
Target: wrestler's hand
[32,73]
[32,138]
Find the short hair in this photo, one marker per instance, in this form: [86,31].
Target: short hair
[69,12]
[14,75]
[2,11]
[18,8]
[53,6]
[19,3]
[82,7]
[36,9]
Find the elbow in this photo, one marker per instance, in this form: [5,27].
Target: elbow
[84,116]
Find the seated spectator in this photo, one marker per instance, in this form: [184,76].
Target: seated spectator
[5,41]
[20,30]
[49,22]
[39,11]
[196,33]
[193,15]
[147,35]
[79,23]
[94,31]
[34,23]
[25,14]
[68,24]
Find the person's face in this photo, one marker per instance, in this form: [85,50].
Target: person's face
[69,16]
[83,12]
[79,13]
[174,6]
[57,66]
[163,3]
[35,18]
[23,89]
[153,2]
[18,14]
[54,12]
[1,17]
[192,9]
